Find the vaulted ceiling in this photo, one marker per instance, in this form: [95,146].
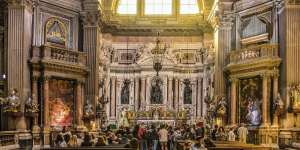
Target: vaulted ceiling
[174,24]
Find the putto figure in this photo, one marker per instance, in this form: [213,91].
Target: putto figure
[31,106]
[88,109]
[12,102]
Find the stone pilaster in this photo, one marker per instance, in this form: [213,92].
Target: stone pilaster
[265,101]
[113,99]
[233,102]
[142,94]
[221,19]
[46,129]
[176,94]
[34,94]
[136,94]
[79,105]
[170,93]
[91,44]
[18,47]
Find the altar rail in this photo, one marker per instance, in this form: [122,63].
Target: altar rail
[51,53]
[8,140]
[253,53]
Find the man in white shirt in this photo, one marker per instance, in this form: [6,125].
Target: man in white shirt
[243,133]
[163,137]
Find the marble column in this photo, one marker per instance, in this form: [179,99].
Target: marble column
[46,102]
[34,94]
[233,102]
[46,127]
[265,103]
[222,37]
[113,99]
[176,94]
[136,94]
[79,106]
[170,93]
[91,45]
[142,94]
[275,92]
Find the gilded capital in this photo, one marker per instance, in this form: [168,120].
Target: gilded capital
[233,80]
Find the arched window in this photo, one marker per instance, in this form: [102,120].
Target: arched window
[128,7]
[189,7]
[158,7]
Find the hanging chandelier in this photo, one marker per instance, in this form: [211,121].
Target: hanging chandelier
[158,54]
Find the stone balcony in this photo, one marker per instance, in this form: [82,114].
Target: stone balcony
[57,58]
[264,56]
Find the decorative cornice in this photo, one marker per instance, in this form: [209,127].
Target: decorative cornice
[20,3]
[90,18]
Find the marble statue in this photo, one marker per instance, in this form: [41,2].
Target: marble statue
[13,102]
[156,93]
[125,92]
[187,92]
[88,109]
[123,119]
[278,103]
[31,106]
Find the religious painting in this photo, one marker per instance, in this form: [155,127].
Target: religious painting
[61,99]
[56,33]
[156,91]
[250,101]
[125,92]
[187,92]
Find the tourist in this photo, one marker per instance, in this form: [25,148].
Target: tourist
[73,141]
[171,138]
[141,137]
[163,137]
[86,140]
[243,133]
[214,133]
[132,144]
[155,137]
[231,135]
[79,139]
[198,145]
[221,136]
[59,141]
[101,141]
[200,130]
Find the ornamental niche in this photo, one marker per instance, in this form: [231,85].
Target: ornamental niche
[56,33]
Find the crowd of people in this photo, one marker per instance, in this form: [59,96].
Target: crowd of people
[152,137]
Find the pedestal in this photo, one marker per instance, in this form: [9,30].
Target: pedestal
[46,136]
[24,139]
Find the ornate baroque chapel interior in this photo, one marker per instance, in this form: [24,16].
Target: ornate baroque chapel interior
[88,64]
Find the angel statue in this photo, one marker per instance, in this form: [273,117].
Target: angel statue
[124,119]
[278,103]
[88,109]
[31,106]
[12,102]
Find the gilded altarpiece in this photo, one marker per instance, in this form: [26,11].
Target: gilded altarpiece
[61,96]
